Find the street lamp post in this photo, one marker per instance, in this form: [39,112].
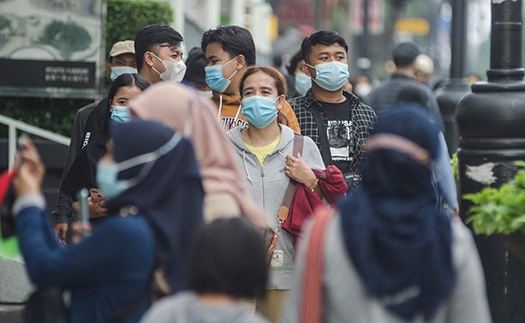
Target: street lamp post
[456,87]
[491,123]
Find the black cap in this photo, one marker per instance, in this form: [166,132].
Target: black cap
[195,64]
[405,53]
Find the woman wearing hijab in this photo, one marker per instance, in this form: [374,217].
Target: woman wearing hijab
[149,176]
[184,111]
[390,254]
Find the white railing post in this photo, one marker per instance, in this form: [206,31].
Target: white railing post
[15,125]
[11,146]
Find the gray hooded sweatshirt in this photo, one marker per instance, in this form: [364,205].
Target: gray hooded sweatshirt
[267,184]
[184,307]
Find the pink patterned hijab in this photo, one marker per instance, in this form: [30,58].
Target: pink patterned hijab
[184,111]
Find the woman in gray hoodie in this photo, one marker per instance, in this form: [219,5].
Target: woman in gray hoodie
[265,150]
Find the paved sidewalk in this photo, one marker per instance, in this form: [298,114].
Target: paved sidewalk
[11,313]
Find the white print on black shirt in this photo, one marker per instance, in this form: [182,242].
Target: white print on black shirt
[229,123]
[341,145]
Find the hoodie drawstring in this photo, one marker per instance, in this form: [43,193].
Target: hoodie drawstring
[246,166]
[220,107]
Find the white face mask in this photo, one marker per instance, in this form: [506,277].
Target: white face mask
[174,72]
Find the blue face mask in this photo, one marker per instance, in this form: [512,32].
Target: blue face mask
[215,79]
[259,110]
[107,181]
[331,76]
[120,114]
[107,172]
[117,71]
[302,83]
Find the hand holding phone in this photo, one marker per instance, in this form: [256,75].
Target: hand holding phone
[96,204]
[96,194]
[20,148]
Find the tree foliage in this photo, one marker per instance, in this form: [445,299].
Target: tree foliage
[499,210]
[126,17]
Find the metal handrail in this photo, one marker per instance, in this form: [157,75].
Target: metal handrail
[15,124]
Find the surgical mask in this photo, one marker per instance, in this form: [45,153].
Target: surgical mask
[259,110]
[331,76]
[205,94]
[174,72]
[215,79]
[302,83]
[107,172]
[117,71]
[362,89]
[120,114]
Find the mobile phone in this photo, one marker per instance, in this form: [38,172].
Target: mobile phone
[20,147]
[95,193]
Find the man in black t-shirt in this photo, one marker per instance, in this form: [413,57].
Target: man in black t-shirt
[335,119]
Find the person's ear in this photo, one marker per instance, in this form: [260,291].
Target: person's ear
[279,102]
[148,58]
[108,67]
[306,69]
[240,61]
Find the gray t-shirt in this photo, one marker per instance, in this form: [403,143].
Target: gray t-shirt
[184,307]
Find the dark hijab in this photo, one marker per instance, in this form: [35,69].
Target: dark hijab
[394,232]
[169,196]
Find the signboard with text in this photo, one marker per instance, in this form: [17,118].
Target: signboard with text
[52,48]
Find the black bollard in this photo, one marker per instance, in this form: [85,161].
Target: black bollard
[456,87]
[491,124]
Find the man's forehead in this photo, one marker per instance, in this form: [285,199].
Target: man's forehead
[214,49]
[335,47]
[125,56]
[173,47]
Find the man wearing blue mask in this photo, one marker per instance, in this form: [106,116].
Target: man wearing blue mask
[230,50]
[121,59]
[335,119]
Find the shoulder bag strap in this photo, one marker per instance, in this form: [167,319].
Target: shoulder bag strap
[298,142]
[282,214]
[312,280]
[323,137]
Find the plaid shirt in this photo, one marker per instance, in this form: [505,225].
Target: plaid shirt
[363,119]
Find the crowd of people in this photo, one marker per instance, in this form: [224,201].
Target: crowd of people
[215,196]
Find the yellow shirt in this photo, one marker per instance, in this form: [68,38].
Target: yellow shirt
[263,151]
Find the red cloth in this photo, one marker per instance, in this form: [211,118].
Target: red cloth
[304,203]
[5,182]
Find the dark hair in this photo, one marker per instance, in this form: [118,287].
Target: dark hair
[123,80]
[235,40]
[153,36]
[195,64]
[228,257]
[280,84]
[294,61]
[405,54]
[323,37]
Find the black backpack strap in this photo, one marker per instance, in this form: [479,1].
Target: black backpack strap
[323,137]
